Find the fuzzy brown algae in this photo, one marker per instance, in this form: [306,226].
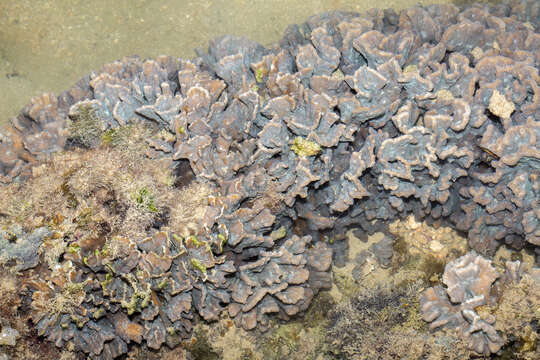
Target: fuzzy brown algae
[182,191]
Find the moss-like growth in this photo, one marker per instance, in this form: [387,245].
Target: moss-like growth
[303,147]
[74,248]
[428,265]
[84,218]
[108,137]
[386,324]
[198,265]
[138,299]
[200,348]
[72,201]
[259,74]
[74,288]
[145,200]
[345,284]
[163,284]
[118,136]
[86,129]
[432,267]
[518,315]
[300,339]
[195,241]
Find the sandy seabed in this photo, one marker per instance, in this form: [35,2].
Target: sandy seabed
[48,45]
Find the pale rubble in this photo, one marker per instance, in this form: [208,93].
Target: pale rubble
[8,336]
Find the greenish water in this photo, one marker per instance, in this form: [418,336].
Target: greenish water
[47,45]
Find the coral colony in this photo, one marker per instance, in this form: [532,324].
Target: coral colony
[185,189]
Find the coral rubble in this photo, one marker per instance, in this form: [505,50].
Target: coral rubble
[350,121]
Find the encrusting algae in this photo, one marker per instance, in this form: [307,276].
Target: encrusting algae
[303,147]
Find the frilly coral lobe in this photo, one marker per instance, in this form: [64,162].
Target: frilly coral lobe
[351,120]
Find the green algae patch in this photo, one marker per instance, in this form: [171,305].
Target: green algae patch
[178,239]
[195,241]
[259,74]
[105,251]
[139,298]
[279,233]
[163,284]
[118,136]
[74,248]
[107,281]
[108,137]
[145,200]
[222,242]
[98,313]
[304,148]
[198,265]
[410,68]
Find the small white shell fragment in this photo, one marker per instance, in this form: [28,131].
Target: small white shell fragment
[8,336]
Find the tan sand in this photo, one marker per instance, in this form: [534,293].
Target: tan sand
[47,45]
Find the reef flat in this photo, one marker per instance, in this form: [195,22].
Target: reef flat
[158,194]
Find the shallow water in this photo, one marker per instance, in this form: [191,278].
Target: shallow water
[47,45]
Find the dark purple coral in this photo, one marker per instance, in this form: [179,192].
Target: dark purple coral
[353,119]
